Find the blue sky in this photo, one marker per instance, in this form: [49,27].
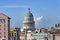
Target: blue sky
[16,10]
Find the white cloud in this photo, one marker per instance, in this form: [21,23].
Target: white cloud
[38,19]
[13,6]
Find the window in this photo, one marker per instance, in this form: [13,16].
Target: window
[0,32]
[12,34]
[0,36]
[4,32]
[0,28]
[0,25]
[15,34]
[2,20]
[4,25]
[4,29]
[4,36]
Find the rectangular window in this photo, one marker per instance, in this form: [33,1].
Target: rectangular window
[0,36]
[4,32]
[4,36]
[0,28]
[4,29]
[12,34]
[0,25]
[2,20]
[0,32]
[15,34]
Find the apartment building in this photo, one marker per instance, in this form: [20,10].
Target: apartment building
[4,27]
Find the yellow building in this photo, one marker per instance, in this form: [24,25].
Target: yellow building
[15,34]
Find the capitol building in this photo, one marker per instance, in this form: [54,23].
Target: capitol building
[29,22]
[28,31]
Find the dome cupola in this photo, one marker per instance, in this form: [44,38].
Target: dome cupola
[29,14]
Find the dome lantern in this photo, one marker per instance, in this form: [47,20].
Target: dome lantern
[29,14]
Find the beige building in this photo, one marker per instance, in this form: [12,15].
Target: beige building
[22,35]
[55,32]
[29,35]
[4,26]
[26,36]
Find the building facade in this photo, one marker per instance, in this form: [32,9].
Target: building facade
[41,34]
[28,25]
[22,35]
[28,36]
[4,27]
[29,22]
[14,33]
[54,32]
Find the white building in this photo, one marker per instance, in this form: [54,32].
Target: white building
[41,36]
[29,22]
